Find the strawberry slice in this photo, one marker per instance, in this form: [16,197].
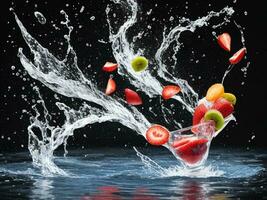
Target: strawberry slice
[224,40]
[110,67]
[111,87]
[237,57]
[157,135]
[132,97]
[224,106]
[169,91]
[193,151]
[199,113]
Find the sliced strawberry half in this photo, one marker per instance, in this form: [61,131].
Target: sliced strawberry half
[224,106]
[199,113]
[111,87]
[110,67]
[157,135]
[169,91]
[132,97]
[238,56]
[193,151]
[224,40]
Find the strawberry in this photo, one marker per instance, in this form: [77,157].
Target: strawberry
[224,40]
[132,97]
[237,57]
[111,87]
[224,106]
[169,91]
[199,113]
[110,67]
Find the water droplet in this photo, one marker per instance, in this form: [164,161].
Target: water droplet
[149,12]
[82,9]
[245,13]
[40,17]
[13,67]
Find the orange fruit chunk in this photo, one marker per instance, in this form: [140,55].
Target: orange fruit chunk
[215,92]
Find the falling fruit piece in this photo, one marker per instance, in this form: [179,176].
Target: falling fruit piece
[216,116]
[237,57]
[157,135]
[224,40]
[110,67]
[169,91]
[230,97]
[111,87]
[215,92]
[132,97]
[139,63]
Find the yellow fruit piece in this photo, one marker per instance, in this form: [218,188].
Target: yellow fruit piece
[214,92]
[230,97]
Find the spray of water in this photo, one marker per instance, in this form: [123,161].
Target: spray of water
[65,77]
[158,171]
[123,51]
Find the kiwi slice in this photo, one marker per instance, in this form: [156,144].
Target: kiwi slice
[216,116]
[230,97]
[139,63]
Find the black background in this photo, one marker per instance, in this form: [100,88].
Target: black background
[250,110]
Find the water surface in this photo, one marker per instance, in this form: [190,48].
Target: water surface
[117,173]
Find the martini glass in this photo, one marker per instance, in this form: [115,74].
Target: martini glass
[191,145]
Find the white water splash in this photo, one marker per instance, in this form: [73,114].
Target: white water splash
[65,77]
[123,51]
[154,168]
[40,17]
[231,66]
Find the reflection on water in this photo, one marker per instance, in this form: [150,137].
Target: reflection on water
[188,190]
[42,189]
[114,173]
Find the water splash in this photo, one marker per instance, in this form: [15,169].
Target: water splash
[123,51]
[156,170]
[40,17]
[230,67]
[190,97]
[218,168]
[65,77]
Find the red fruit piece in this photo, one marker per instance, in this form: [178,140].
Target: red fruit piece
[110,67]
[169,91]
[224,106]
[157,135]
[237,57]
[199,113]
[180,142]
[132,97]
[111,87]
[224,40]
[193,151]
